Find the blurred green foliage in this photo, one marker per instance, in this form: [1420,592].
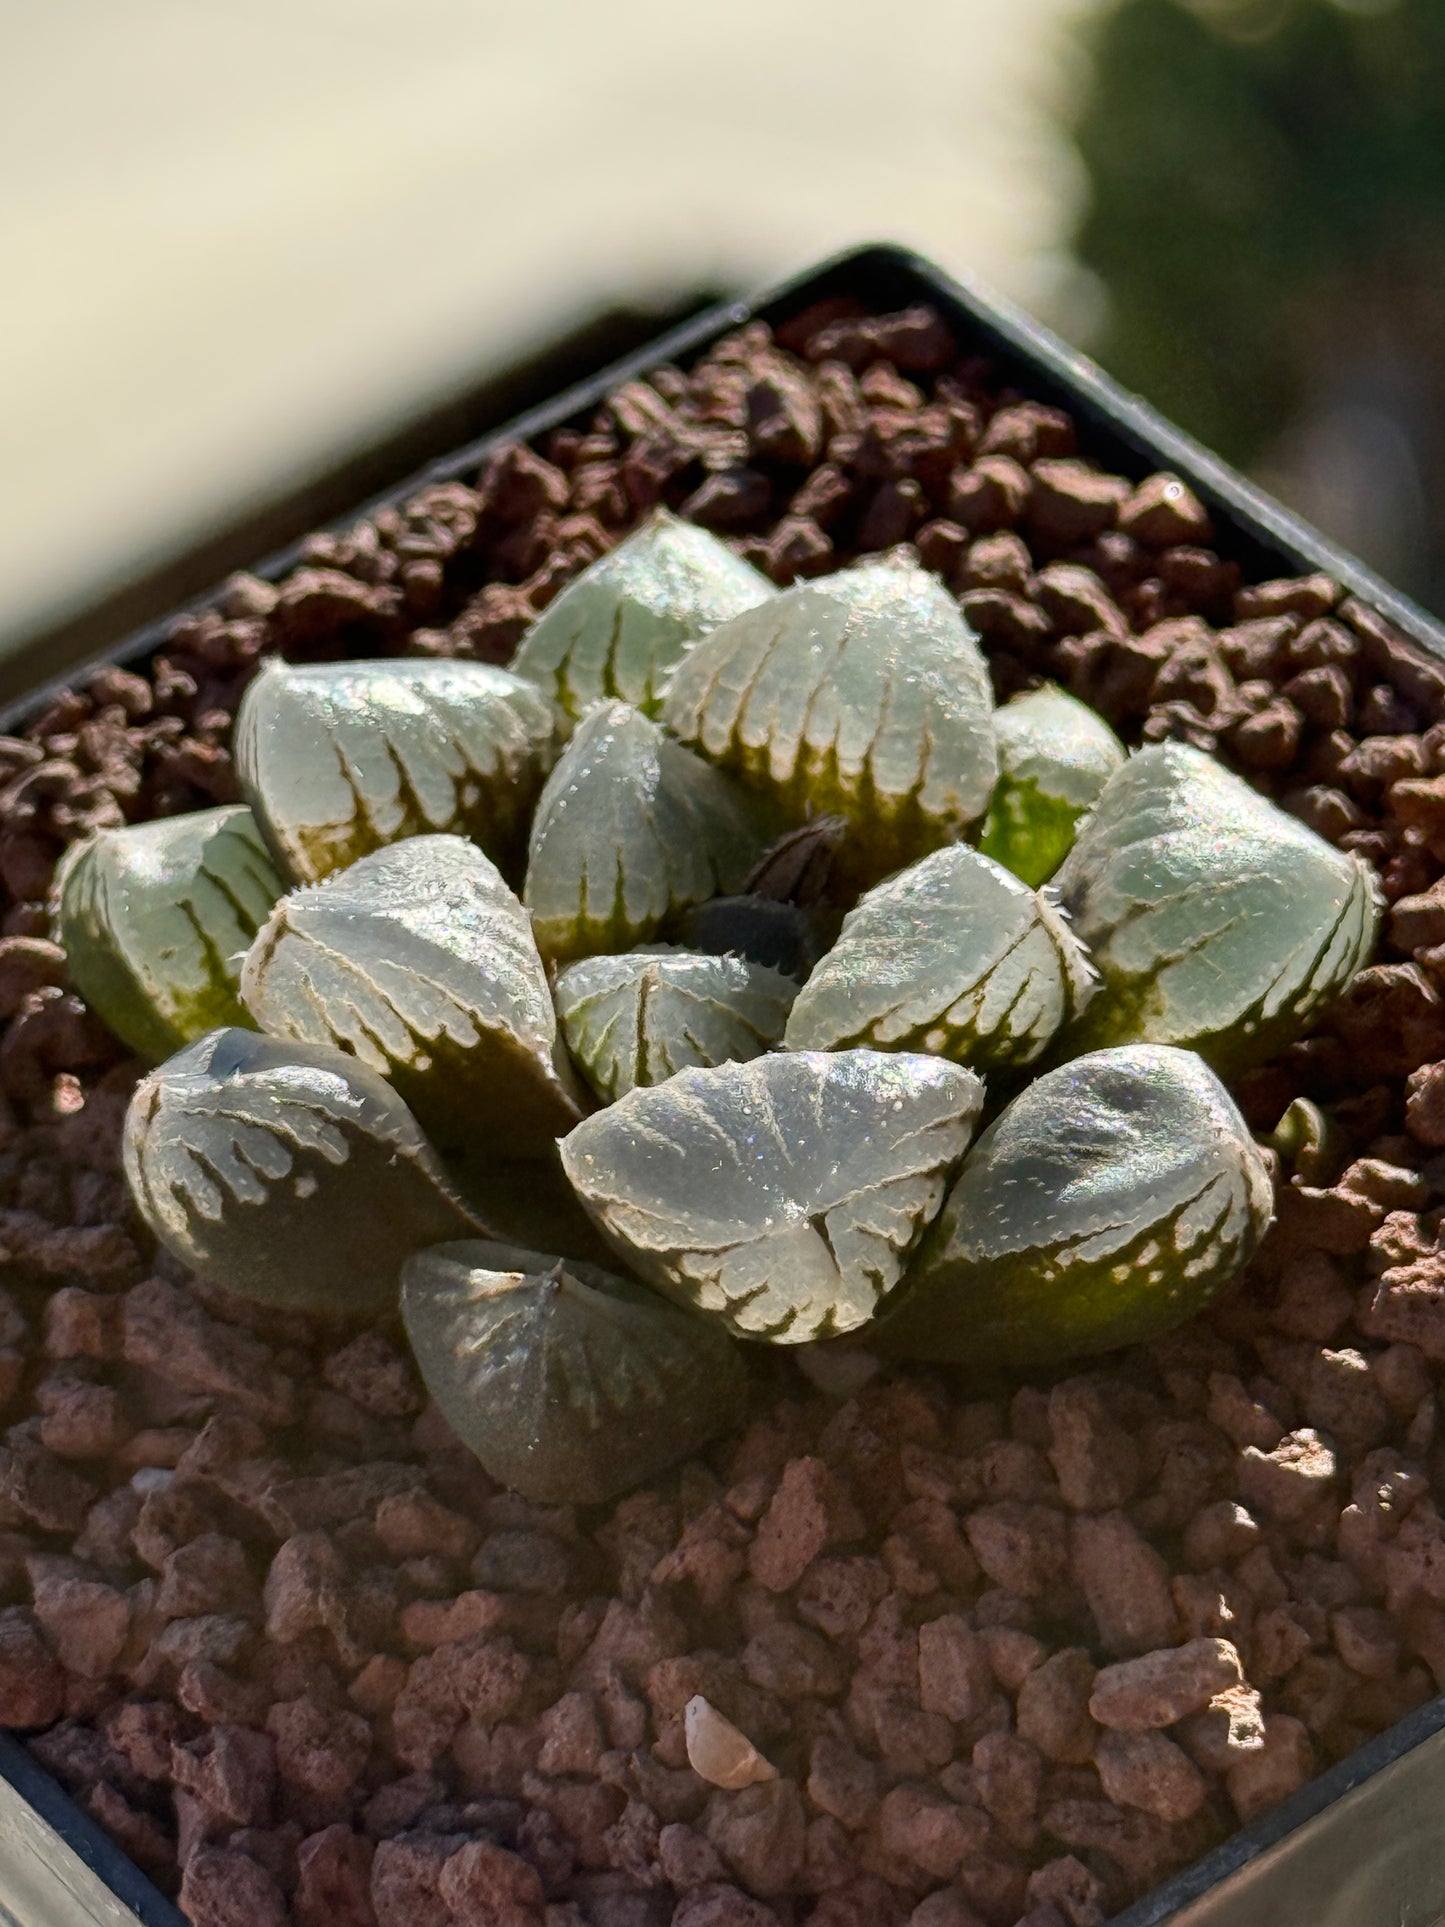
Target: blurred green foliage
[1253,164]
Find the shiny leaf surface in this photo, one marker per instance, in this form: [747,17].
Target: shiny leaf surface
[861,694]
[285,1173]
[954,956]
[622,625]
[782,1195]
[1055,755]
[421,962]
[1106,1204]
[339,759]
[630,829]
[569,1383]
[155,919]
[1215,921]
[639,1017]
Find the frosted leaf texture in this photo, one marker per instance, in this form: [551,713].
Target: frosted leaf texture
[285,1173]
[1215,920]
[861,694]
[339,759]
[421,962]
[569,1383]
[638,1018]
[1055,755]
[156,917]
[621,626]
[784,1195]
[1108,1203]
[630,829]
[954,956]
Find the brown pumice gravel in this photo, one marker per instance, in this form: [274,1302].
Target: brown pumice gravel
[1016,1652]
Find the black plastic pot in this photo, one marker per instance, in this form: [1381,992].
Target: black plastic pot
[1359,1846]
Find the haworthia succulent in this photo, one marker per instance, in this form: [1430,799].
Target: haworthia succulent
[1216,921]
[621,626]
[341,758]
[1055,755]
[420,961]
[862,694]
[1108,1202]
[155,919]
[782,1195]
[569,1383]
[287,1174]
[630,829]
[639,1017]
[953,955]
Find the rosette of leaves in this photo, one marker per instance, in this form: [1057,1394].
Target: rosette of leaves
[783,1195]
[954,955]
[1215,921]
[620,627]
[156,917]
[630,829]
[569,1383]
[861,694]
[338,759]
[421,962]
[286,1174]
[1106,1204]
[1055,754]
[639,1017]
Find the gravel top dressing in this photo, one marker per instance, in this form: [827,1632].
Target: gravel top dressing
[1000,1640]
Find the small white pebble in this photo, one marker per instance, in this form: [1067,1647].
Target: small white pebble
[151,1478]
[717,1752]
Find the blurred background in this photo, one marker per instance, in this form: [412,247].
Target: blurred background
[259,260]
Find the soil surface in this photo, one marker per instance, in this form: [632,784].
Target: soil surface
[1016,1651]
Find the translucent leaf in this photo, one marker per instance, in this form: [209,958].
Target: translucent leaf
[782,1195]
[341,758]
[861,694]
[1105,1205]
[1055,755]
[637,1018]
[420,961]
[1215,921]
[619,628]
[155,919]
[569,1383]
[285,1173]
[629,830]
[953,955]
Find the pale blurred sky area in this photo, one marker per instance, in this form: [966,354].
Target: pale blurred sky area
[240,239]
